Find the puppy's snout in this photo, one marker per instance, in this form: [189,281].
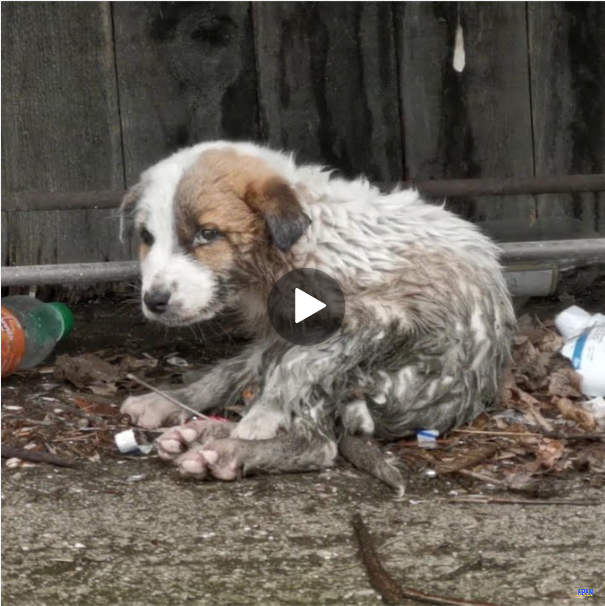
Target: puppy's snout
[156,300]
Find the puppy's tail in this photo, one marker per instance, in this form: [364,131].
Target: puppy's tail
[365,454]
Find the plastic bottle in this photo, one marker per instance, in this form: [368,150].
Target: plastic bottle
[585,346]
[30,331]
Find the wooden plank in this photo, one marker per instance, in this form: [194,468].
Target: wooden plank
[567,65]
[186,73]
[60,126]
[474,123]
[328,86]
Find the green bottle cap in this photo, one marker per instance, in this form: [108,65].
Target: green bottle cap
[66,316]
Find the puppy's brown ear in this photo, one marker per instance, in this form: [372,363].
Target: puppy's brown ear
[284,217]
[127,212]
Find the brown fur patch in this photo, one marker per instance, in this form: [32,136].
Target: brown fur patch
[242,198]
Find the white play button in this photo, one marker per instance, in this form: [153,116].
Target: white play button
[305,305]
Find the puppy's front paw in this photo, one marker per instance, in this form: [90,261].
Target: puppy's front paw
[152,411]
[260,424]
[221,459]
[177,440]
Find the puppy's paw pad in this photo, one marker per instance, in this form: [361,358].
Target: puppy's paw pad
[192,463]
[220,459]
[210,456]
[189,434]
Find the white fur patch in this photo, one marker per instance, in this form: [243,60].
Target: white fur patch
[357,418]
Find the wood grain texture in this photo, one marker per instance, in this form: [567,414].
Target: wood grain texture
[328,85]
[567,63]
[474,123]
[186,73]
[60,126]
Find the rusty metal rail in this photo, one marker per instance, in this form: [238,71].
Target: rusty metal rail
[567,253]
[452,188]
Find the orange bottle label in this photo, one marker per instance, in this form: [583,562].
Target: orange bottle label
[13,342]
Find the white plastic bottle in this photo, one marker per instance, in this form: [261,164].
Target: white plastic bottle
[585,347]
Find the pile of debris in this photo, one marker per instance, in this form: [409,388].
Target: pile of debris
[542,424]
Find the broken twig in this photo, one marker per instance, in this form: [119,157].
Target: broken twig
[195,413]
[33,456]
[390,590]
[480,499]
[467,459]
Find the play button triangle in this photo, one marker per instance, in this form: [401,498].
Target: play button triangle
[305,305]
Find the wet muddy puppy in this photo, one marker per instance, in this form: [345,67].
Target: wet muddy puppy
[427,325]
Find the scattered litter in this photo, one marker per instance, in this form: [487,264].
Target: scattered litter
[127,443]
[585,346]
[79,546]
[9,407]
[427,438]
[138,477]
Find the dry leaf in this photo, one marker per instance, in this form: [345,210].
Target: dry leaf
[577,414]
[95,408]
[565,383]
[549,452]
[85,370]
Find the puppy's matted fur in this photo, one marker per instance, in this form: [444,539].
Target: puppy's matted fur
[427,325]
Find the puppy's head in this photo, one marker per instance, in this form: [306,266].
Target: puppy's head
[199,226]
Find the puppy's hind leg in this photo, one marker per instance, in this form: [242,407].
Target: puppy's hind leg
[304,448]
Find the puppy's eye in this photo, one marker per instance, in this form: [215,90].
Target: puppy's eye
[146,236]
[206,236]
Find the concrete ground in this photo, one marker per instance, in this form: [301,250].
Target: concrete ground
[131,531]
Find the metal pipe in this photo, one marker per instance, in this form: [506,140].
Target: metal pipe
[556,184]
[566,253]
[69,273]
[451,188]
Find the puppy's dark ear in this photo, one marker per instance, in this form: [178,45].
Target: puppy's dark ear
[284,217]
[127,212]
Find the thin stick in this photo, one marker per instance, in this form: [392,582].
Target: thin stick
[195,413]
[36,457]
[497,433]
[597,435]
[480,499]
[482,477]
[467,460]
[390,590]
[380,579]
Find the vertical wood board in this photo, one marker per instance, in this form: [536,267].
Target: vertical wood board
[60,126]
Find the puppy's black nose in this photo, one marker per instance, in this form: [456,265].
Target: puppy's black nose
[157,300]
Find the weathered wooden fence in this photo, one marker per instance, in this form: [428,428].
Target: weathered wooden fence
[94,92]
